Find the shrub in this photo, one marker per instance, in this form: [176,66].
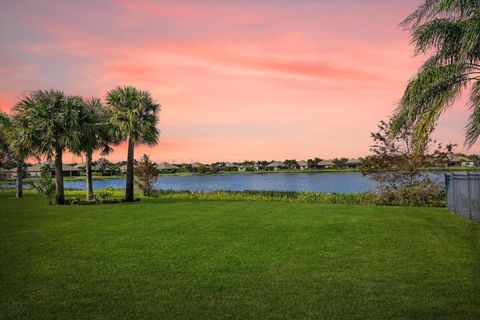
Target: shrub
[44,185]
[105,194]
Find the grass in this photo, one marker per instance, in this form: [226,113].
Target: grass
[184,259]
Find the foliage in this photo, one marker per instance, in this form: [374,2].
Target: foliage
[449,30]
[5,127]
[105,194]
[202,169]
[103,163]
[339,162]
[291,163]
[134,117]
[399,168]
[312,163]
[146,173]
[44,185]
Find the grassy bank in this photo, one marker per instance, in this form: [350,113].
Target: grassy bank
[178,259]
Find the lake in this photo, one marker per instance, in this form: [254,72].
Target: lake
[317,182]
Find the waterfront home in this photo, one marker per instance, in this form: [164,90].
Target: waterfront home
[325,164]
[196,166]
[231,166]
[461,161]
[165,167]
[352,163]
[6,174]
[82,166]
[36,170]
[302,165]
[276,165]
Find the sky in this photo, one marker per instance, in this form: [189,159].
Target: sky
[236,80]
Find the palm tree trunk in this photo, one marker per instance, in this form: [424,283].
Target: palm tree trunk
[60,193]
[130,159]
[88,169]
[19,186]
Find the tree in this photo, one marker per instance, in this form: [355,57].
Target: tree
[48,123]
[13,150]
[291,163]
[312,164]
[134,117]
[146,173]
[449,30]
[340,163]
[5,126]
[399,169]
[96,135]
[44,186]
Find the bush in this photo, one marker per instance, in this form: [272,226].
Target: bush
[105,194]
[426,194]
[44,185]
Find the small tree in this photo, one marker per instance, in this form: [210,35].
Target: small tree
[45,185]
[340,163]
[291,163]
[146,173]
[398,167]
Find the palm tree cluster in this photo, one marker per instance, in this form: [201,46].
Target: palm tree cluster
[449,30]
[49,123]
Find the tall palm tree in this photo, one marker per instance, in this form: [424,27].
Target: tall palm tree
[12,149]
[48,123]
[96,135]
[450,31]
[5,126]
[134,116]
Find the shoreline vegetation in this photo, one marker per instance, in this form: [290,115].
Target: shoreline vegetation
[187,174]
[114,195]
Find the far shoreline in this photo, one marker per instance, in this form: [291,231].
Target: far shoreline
[186,174]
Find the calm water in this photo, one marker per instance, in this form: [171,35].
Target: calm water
[320,182]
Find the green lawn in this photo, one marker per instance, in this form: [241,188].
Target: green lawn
[174,259]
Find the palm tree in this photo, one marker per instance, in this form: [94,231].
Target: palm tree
[48,123]
[134,116]
[5,126]
[450,31]
[95,136]
[12,149]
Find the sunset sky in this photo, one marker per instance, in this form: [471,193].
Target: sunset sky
[236,80]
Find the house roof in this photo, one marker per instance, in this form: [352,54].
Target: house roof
[302,163]
[460,159]
[81,166]
[37,167]
[326,163]
[196,165]
[353,161]
[166,166]
[275,164]
[230,165]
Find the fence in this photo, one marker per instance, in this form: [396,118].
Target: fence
[463,194]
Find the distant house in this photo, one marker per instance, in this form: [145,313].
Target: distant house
[231,166]
[460,161]
[276,165]
[325,164]
[196,166]
[36,170]
[353,163]
[302,165]
[6,174]
[165,167]
[82,166]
